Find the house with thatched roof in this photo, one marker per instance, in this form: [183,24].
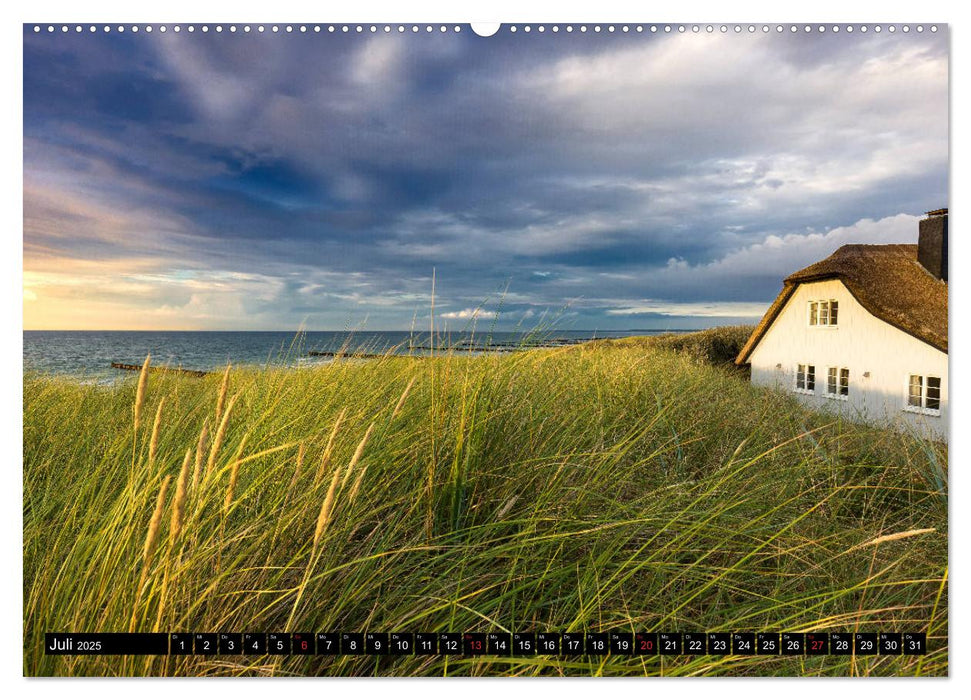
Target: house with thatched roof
[864,332]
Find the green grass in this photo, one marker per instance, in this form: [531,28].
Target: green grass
[716,346]
[615,486]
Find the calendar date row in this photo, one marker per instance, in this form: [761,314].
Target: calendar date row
[490,643]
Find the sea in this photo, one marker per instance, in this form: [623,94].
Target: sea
[88,355]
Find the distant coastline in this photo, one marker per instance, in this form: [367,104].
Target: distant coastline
[90,354]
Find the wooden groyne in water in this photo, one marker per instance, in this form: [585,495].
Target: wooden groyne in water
[177,370]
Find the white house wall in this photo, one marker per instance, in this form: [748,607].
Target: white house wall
[860,342]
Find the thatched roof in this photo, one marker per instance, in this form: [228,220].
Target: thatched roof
[888,282]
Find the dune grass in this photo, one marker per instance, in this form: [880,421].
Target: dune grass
[715,346]
[612,486]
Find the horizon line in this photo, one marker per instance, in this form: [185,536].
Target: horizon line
[351,332]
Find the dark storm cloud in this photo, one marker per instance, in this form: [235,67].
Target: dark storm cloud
[323,177]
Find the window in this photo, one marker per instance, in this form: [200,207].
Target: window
[932,398]
[838,383]
[915,396]
[806,378]
[823,313]
[923,394]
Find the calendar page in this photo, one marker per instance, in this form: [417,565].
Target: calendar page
[526,349]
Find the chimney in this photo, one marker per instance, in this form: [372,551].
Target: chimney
[932,243]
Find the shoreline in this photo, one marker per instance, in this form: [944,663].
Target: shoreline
[716,345]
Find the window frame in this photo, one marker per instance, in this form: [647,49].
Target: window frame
[810,370]
[925,380]
[818,309]
[840,377]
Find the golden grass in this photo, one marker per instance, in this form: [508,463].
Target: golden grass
[156,427]
[141,391]
[328,450]
[323,518]
[601,487]
[151,537]
[217,441]
[201,446]
[178,505]
[223,389]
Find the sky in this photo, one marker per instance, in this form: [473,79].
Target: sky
[231,181]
